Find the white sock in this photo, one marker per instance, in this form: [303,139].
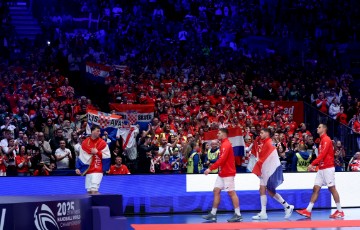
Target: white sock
[338,206]
[310,207]
[263,201]
[279,199]
[237,211]
[213,211]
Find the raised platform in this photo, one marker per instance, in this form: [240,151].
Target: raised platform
[68,212]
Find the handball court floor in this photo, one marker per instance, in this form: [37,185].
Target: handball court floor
[319,221]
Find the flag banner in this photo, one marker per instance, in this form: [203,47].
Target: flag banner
[134,114]
[269,167]
[107,122]
[122,68]
[97,72]
[235,137]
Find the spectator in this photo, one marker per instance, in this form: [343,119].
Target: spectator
[282,156]
[3,163]
[63,156]
[334,109]
[165,166]
[45,149]
[355,162]
[48,129]
[339,156]
[44,170]
[145,155]
[175,160]
[118,168]
[23,162]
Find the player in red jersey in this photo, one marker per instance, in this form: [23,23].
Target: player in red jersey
[225,180]
[93,160]
[325,174]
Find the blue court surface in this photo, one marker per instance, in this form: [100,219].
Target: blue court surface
[188,220]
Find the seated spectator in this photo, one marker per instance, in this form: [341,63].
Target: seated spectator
[118,168]
[63,156]
[355,162]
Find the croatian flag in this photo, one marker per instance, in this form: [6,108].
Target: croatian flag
[107,122]
[268,167]
[235,137]
[85,157]
[97,72]
[134,114]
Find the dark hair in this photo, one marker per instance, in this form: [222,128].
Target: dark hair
[224,130]
[267,130]
[324,125]
[282,145]
[93,127]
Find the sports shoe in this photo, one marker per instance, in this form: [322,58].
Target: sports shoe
[304,212]
[210,217]
[337,214]
[289,211]
[235,218]
[260,216]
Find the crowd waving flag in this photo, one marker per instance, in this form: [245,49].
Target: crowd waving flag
[269,167]
[134,114]
[235,137]
[107,122]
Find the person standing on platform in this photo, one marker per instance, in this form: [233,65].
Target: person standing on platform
[325,175]
[94,159]
[225,180]
[269,170]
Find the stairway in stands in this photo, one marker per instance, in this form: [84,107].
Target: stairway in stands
[25,24]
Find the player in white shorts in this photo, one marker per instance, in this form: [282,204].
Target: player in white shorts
[225,179]
[325,175]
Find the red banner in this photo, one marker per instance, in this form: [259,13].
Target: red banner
[296,108]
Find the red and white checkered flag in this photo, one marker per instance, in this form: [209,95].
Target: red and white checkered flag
[132,117]
[104,120]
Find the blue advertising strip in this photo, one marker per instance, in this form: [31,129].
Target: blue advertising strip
[153,193]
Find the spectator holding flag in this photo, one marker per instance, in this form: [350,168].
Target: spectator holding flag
[93,160]
[269,171]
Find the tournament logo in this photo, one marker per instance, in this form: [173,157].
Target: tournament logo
[45,218]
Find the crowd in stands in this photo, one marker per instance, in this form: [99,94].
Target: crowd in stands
[186,58]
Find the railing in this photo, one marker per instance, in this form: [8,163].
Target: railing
[336,130]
